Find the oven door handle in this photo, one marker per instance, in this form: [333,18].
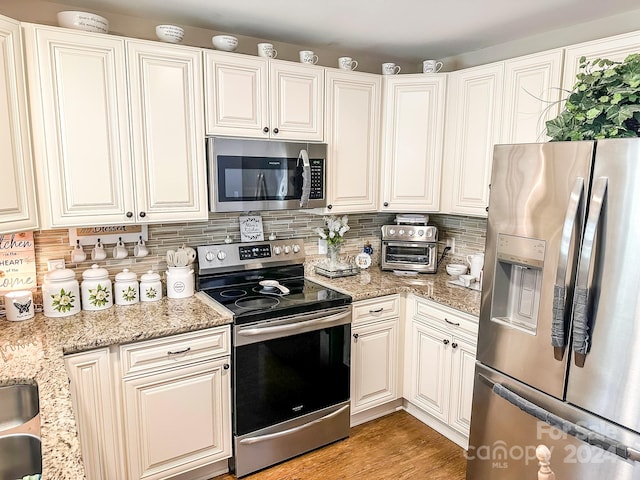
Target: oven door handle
[410,244]
[266,330]
[271,436]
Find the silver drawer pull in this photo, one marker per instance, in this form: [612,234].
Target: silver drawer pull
[451,323]
[179,352]
[377,310]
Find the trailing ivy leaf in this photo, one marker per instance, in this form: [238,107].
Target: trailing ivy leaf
[593,113]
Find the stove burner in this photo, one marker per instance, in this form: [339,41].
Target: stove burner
[268,291]
[233,293]
[257,303]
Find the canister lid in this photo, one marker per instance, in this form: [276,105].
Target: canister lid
[59,275]
[126,276]
[95,273]
[150,276]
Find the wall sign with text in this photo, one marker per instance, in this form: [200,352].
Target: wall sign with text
[17,262]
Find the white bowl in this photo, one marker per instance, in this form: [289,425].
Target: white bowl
[170,33]
[226,43]
[89,22]
[456,269]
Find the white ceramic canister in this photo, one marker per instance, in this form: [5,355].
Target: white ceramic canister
[126,289]
[97,291]
[60,293]
[180,282]
[150,287]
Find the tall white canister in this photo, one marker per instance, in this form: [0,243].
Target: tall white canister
[150,287]
[60,293]
[96,287]
[180,282]
[126,289]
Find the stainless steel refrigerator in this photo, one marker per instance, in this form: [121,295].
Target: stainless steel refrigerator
[559,335]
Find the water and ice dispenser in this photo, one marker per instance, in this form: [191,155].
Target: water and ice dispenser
[518,282]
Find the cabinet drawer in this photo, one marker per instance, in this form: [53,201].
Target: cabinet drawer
[176,350]
[448,319]
[376,309]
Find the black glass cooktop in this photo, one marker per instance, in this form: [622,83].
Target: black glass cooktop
[250,302]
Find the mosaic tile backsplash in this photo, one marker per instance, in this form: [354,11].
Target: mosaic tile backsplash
[469,234]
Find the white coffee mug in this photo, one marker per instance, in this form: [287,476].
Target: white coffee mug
[19,305]
[347,63]
[77,254]
[307,56]
[390,68]
[98,253]
[266,50]
[140,249]
[120,251]
[431,66]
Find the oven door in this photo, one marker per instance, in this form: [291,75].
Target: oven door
[290,367]
[417,256]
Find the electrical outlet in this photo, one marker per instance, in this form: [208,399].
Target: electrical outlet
[53,264]
[322,247]
[451,242]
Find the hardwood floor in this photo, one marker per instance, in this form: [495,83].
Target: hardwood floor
[397,447]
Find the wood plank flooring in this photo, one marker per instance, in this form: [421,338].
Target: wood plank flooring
[396,446]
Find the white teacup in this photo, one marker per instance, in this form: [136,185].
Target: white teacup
[77,254]
[431,66]
[467,280]
[266,50]
[140,249]
[390,68]
[98,253]
[120,251]
[307,56]
[19,305]
[347,63]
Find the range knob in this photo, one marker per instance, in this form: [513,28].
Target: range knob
[221,255]
[401,232]
[209,256]
[420,233]
[392,231]
[287,249]
[277,250]
[296,248]
[411,232]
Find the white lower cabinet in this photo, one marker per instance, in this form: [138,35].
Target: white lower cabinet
[440,351]
[155,409]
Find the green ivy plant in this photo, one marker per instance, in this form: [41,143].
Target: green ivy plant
[604,102]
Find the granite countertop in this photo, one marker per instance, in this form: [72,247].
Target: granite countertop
[32,352]
[374,282]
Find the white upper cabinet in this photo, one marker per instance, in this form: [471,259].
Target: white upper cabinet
[474,113]
[353,138]
[412,138]
[613,48]
[83,139]
[254,97]
[532,96]
[18,210]
[167,112]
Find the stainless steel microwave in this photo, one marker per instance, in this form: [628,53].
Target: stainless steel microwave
[251,175]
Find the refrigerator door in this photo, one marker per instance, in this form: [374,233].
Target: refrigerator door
[504,438]
[609,279]
[536,210]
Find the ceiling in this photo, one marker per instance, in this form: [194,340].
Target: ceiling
[405,29]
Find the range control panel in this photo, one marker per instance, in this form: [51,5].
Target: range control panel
[414,233]
[239,256]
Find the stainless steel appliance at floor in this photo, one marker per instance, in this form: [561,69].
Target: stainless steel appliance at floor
[558,357]
[410,245]
[291,351]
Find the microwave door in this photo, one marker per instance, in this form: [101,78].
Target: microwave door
[261,188]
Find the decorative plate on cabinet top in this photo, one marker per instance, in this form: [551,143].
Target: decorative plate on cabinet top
[363,260]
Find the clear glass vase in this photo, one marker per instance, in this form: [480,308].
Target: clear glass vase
[333,256]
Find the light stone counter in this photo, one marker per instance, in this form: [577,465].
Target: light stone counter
[32,352]
[373,282]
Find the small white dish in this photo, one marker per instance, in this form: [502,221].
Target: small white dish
[363,260]
[226,43]
[89,22]
[456,269]
[170,33]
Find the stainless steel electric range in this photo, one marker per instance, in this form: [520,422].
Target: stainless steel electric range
[291,351]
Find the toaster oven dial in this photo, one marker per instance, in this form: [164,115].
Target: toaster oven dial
[411,232]
[392,231]
[401,232]
[420,233]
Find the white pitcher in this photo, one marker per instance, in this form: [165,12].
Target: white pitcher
[476,262]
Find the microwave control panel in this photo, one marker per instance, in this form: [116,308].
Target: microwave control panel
[317,179]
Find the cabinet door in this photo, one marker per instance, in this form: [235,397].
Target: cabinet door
[429,370]
[531,97]
[177,420]
[91,385]
[412,142]
[296,101]
[236,91]
[463,362]
[79,104]
[167,119]
[353,134]
[374,365]
[613,48]
[474,108]
[17,194]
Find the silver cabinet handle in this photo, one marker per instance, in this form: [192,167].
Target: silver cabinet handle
[179,352]
[581,295]
[559,324]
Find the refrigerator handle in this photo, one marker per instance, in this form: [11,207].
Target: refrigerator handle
[559,324]
[583,287]
[578,431]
